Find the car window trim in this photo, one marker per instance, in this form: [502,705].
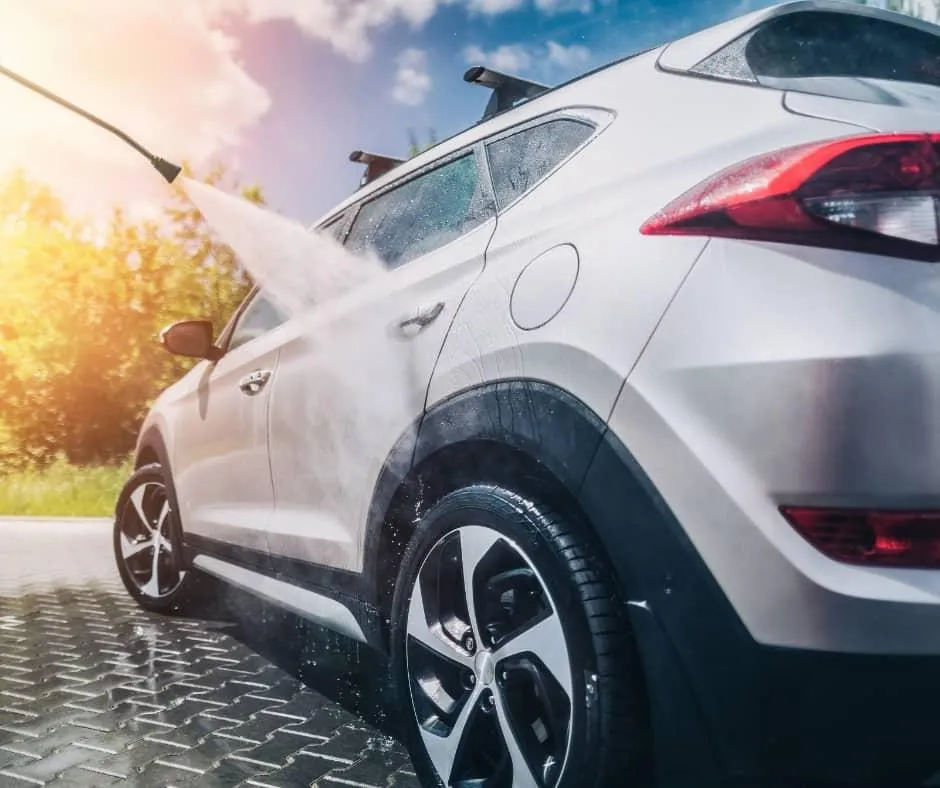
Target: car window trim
[574,113]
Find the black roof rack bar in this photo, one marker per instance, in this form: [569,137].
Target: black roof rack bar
[507,90]
[376,165]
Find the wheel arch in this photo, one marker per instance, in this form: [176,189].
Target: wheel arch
[528,434]
[151,447]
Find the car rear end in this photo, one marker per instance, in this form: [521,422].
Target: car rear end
[787,407]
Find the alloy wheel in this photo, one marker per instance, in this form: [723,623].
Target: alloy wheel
[145,543]
[488,665]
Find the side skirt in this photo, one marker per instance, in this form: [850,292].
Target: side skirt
[307,590]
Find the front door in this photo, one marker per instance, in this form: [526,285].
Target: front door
[221,466]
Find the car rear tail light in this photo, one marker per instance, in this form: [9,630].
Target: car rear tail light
[872,538]
[876,193]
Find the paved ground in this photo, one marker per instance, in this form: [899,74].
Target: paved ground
[95,692]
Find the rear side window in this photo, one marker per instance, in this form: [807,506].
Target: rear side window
[520,161]
[822,44]
[815,51]
[423,213]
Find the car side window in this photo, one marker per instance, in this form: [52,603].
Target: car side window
[518,162]
[259,317]
[423,213]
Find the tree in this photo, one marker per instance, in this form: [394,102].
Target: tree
[414,147]
[82,306]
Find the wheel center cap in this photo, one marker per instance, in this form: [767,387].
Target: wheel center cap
[485,667]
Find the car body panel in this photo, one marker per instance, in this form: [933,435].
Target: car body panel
[219,447]
[588,346]
[350,382]
[830,397]
[912,109]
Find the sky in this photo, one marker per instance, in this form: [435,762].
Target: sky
[281,91]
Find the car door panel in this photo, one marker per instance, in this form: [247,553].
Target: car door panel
[353,379]
[221,462]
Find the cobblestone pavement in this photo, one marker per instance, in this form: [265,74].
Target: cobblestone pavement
[95,692]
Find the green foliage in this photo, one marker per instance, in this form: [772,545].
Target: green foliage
[80,310]
[62,490]
[415,147]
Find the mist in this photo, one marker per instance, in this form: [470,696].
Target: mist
[343,392]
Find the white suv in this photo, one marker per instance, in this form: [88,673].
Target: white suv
[631,463]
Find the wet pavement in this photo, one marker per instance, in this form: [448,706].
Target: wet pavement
[96,692]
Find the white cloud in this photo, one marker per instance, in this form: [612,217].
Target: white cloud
[493,7]
[567,57]
[564,6]
[519,58]
[412,80]
[157,70]
[346,25]
[514,58]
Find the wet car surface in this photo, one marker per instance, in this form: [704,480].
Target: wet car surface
[96,692]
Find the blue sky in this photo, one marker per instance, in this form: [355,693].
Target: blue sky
[283,90]
[323,104]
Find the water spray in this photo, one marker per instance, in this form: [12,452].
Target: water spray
[167,169]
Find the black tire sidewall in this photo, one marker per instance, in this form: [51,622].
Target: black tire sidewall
[182,595]
[498,510]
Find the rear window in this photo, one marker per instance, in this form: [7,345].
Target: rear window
[807,50]
[843,45]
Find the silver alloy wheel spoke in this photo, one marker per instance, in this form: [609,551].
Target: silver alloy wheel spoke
[546,640]
[162,518]
[522,776]
[130,548]
[152,586]
[475,542]
[418,629]
[137,498]
[443,750]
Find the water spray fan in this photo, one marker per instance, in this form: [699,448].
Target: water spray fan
[167,169]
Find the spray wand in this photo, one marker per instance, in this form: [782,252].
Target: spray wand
[167,169]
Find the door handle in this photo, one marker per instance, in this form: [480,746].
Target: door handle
[424,317]
[254,382]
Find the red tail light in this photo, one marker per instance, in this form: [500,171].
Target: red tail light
[873,538]
[878,193]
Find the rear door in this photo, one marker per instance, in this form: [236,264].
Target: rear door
[353,377]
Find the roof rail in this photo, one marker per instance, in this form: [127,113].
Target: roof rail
[507,90]
[376,165]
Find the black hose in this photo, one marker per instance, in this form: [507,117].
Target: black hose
[167,169]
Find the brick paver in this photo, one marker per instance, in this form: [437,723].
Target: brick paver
[96,692]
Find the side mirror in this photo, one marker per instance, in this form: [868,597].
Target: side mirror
[192,338]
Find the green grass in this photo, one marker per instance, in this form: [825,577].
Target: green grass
[62,490]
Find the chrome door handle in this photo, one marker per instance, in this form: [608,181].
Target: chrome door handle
[253,383]
[424,317]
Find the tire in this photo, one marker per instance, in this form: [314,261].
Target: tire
[478,708]
[143,509]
